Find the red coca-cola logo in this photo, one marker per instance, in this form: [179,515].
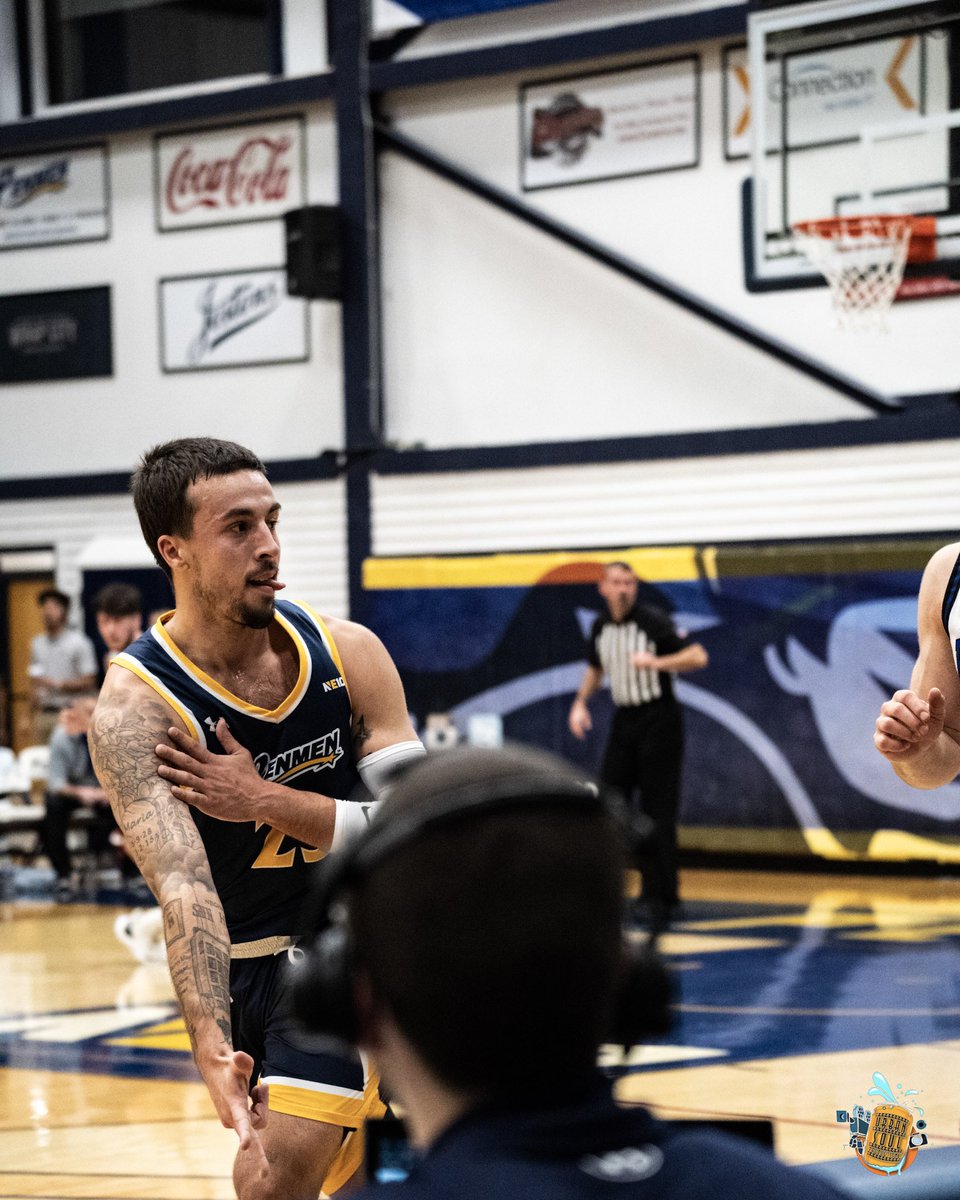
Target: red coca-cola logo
[256,174]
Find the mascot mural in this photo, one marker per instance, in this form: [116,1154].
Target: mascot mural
[805,643]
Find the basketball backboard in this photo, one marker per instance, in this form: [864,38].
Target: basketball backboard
[857,111]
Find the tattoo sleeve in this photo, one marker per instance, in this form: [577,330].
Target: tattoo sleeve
[162,839]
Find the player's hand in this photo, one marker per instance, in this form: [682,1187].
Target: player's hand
[579,720]
[227,1077]
[226,786]
[909,724]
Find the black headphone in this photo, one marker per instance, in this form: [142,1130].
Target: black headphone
[322,973]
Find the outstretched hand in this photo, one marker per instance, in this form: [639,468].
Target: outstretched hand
[226,786]
[909,724]
[227,1078]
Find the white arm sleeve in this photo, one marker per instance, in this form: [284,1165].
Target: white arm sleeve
[377,771]
[350,820]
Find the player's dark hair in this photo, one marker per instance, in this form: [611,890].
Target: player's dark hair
[495,941]
[118,600]
[54,594]
[159,484]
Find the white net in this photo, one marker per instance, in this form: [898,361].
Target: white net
[862,259]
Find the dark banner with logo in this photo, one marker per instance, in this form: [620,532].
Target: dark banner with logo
[55,335]
[805,643]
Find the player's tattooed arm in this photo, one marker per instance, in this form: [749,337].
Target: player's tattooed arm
[160,834]
[162,839]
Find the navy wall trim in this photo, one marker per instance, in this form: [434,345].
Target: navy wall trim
[934,420]
[552,51]
[256,98]
[327,465]
[925,419]
[359,214]
[654,282]
[278,93]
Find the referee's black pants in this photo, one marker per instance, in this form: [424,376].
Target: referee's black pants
[643,761]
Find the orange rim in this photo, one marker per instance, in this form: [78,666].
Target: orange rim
[923,230]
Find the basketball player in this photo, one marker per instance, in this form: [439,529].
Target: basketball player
[227,738]
[918,730]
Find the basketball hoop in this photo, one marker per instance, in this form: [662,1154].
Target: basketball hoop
[863,258]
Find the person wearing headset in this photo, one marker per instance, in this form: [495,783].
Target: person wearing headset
[471,941]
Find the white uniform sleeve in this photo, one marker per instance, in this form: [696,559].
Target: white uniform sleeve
[377,771]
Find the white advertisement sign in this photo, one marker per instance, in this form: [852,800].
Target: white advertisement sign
[56,197]
[240,319]
[220,176]
[830,95]
[603,126]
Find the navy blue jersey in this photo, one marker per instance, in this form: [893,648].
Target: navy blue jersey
[262,875]
[593,1150]
[950,611]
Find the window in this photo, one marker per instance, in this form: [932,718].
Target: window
[97,48]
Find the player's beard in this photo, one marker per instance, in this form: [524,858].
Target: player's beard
[255,618]
[242,611]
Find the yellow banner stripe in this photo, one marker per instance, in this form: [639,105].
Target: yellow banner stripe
[654,563]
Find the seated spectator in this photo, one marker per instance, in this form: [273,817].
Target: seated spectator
[471,941]
[118,608]
[119,612]
[71,783]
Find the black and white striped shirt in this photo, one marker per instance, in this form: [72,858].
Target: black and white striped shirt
[613,644]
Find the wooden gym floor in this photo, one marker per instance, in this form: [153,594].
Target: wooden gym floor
[794,990]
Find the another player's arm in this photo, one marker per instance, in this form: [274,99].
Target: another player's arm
[229,787]
[579,718]
[161,837]
[918,730]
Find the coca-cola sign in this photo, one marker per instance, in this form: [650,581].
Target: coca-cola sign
[219,176]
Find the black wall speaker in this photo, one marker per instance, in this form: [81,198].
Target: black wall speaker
[313,251]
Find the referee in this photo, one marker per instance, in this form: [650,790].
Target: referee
[639,649]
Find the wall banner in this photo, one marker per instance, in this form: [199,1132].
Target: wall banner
[244,318]
[251,172]
[55,335]
[60,196]
[611,124]
[806,641]
[830,95]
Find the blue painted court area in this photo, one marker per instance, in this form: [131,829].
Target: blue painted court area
[792,991]
[847,982]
